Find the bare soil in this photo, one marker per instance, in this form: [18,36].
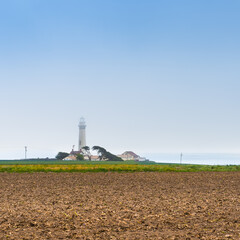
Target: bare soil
[202,205]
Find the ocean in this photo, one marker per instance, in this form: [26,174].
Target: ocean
[195,158]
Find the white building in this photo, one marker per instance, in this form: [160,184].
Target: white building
[82,134]
[70,158]
[129,155]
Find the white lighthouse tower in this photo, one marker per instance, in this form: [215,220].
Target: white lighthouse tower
[82,134]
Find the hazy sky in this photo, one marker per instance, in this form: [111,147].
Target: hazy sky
[147,75]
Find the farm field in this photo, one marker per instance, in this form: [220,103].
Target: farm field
[105,166]
[112,205]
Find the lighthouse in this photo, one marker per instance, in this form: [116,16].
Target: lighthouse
[82,134]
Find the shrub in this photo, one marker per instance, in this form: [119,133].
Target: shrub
[80,157]
[61,155]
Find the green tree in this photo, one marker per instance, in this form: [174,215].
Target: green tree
[86,148]
[87,151]
[112,157]
[101,152]
[61,155]
[104,155]
[80,157]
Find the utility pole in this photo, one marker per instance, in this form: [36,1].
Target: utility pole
[181,156]
[25,152]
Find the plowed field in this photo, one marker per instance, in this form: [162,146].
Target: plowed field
[202,205]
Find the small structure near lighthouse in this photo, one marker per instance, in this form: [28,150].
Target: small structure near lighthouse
[82,134]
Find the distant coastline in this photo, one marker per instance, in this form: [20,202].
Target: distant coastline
[196,158]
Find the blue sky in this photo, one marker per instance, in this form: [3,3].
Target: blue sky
[148,76]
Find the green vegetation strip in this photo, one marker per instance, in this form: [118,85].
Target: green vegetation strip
[114,168]
[61,162]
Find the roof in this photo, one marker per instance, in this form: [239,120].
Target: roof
[131,154]
[76,152]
